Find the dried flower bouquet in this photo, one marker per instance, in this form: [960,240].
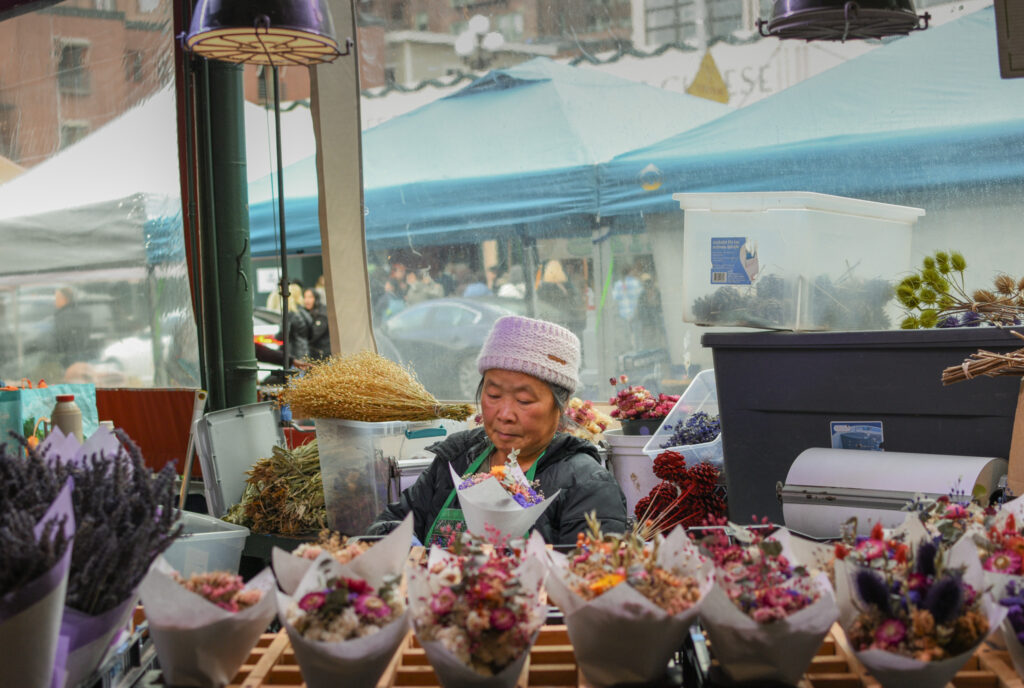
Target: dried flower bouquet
[628,604]
[477,610]
[767,613]
[205,626]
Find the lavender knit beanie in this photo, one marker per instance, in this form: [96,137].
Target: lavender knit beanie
[536,347]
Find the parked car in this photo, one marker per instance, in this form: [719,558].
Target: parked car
[440,339]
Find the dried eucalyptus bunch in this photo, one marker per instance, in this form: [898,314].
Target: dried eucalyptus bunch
[124,516]
[27,489]
[936,296]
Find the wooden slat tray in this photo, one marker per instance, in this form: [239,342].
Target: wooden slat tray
[272,663]
[553,664]
[835,666]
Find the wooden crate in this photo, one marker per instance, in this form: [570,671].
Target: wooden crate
[552,664]
[835,666]
[272,663]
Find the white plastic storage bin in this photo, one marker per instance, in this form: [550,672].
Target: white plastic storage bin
[700,395]
[793,260]
[632,468]
[206,544]
[356,464]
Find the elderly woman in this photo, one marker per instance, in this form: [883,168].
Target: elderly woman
[529,370]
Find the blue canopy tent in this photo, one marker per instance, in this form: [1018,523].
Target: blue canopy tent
[518,146]
[924,111]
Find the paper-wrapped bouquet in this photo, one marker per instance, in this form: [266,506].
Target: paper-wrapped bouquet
[346,621]
[477,610]
[502,501]
[204,626]
[768,613]
[628,604]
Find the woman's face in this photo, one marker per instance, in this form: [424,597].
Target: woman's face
[309,299]
[519,412]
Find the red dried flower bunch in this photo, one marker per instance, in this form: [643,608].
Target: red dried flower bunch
[635,402]
[687,495]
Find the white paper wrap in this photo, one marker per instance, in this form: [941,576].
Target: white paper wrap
[779,650]
[386,556]
[621,636]
[198,643]
[997,581]
[488,504]
[359,661]
[452,672]
[897,671]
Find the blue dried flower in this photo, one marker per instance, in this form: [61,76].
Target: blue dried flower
[872,589]
[944,599]
[926,553]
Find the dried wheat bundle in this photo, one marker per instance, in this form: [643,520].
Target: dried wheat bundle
[987,363]
[367,387]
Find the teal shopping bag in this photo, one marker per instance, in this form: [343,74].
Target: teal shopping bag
[20,409]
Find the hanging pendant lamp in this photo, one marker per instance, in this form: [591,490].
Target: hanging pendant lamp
[275,33]
[842,20]
[266,32]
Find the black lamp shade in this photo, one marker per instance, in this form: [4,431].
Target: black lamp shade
[841,20]
[267,32]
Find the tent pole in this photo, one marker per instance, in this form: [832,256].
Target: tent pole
[280,215]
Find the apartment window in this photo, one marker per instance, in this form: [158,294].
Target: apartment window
[73,131]
[133,65]
[422,21]
[148,5]
[72,73]
[109,5]
[8,126]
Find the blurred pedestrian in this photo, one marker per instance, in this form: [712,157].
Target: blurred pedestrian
[319,333]
[72,329]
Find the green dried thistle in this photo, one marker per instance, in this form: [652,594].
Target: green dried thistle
[936,295]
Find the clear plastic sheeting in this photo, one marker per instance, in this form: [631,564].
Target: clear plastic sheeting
[93,282]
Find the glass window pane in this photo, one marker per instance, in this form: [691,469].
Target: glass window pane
[93,283]
[504,191]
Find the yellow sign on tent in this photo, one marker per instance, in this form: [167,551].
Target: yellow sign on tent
[709,83]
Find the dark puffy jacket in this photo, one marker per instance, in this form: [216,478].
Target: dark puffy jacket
[319,332]
[569,464]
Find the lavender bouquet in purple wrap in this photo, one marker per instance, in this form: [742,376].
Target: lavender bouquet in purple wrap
[125,517]
[36,527]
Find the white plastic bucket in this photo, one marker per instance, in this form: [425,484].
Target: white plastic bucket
[632,468]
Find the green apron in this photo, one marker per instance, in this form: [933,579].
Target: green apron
[452,520]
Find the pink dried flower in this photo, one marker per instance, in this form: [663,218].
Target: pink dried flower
[312,600]
[890,632]
[503,618]
[442,602]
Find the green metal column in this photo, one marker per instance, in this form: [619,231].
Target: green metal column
[223,195]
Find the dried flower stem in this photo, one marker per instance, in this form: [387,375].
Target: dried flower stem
[365,387]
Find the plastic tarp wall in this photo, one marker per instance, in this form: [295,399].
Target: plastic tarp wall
[75,211]
[528,141]
[927,110]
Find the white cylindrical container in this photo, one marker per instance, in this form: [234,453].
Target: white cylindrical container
[632,468]
[67,416]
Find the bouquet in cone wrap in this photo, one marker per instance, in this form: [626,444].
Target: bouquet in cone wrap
[628,603]
[205,626]
[477,610]
[768,613]
[917,623]
[345,621]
